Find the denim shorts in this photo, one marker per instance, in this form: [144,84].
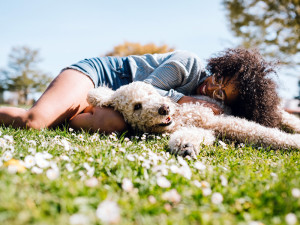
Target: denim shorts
[109,71]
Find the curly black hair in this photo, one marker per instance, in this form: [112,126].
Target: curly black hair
[258,98]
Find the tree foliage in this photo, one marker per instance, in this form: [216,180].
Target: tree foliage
[272,26]
[130,48]
[22,74]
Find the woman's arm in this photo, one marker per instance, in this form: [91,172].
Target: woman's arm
[102,119]
[215,108]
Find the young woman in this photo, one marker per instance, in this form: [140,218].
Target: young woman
[238,78]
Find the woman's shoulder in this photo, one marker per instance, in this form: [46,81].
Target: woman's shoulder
[183,56]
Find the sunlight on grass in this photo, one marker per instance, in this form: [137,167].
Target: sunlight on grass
[65,177]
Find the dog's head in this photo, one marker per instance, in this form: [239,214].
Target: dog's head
[141,105]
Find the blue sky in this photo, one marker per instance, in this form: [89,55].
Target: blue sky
[68,31]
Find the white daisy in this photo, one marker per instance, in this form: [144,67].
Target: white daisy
[163,182]
[29,161]
[291,219]
[296,192]
[7,156]
[199,166]
[127,185]
[108,212]
[217,198]
[92,182]
[52,174]
[79,219]
[172,196]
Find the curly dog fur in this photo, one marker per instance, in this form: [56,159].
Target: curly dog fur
[190,125]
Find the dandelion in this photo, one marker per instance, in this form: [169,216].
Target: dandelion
[291,219]
[52,174]
[29,161]
[199,166]
[163,182]
[172,196]
[127,185]
[79,219]
[217,198]
[296,192]
[108,212]
[14,166]
[152,199]
[92,182]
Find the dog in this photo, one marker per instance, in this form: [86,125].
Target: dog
[189,125]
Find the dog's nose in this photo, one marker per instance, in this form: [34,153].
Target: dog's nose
[164,110]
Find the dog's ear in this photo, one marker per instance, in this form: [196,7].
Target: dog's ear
[101,96]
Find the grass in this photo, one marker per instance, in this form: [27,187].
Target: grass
[89,179]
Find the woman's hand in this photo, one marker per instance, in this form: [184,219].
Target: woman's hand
[215,108]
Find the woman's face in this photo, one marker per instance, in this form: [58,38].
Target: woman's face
[222,89]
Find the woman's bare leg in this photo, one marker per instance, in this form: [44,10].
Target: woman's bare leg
[64,98]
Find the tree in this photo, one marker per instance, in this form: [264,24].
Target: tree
[130,48]
[273,26]
[22,74]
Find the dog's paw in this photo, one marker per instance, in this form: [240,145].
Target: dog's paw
[187,149]
[184,149]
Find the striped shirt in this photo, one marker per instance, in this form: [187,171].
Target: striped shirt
[173,74]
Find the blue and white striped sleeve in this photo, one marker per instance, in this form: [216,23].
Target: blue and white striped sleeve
[177,76]
[166,78]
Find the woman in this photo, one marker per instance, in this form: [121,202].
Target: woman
[176,75]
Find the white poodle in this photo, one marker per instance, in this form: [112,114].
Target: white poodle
[190,125]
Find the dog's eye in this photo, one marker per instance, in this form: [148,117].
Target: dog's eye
[137,106]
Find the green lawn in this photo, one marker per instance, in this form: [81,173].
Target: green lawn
[66,177]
